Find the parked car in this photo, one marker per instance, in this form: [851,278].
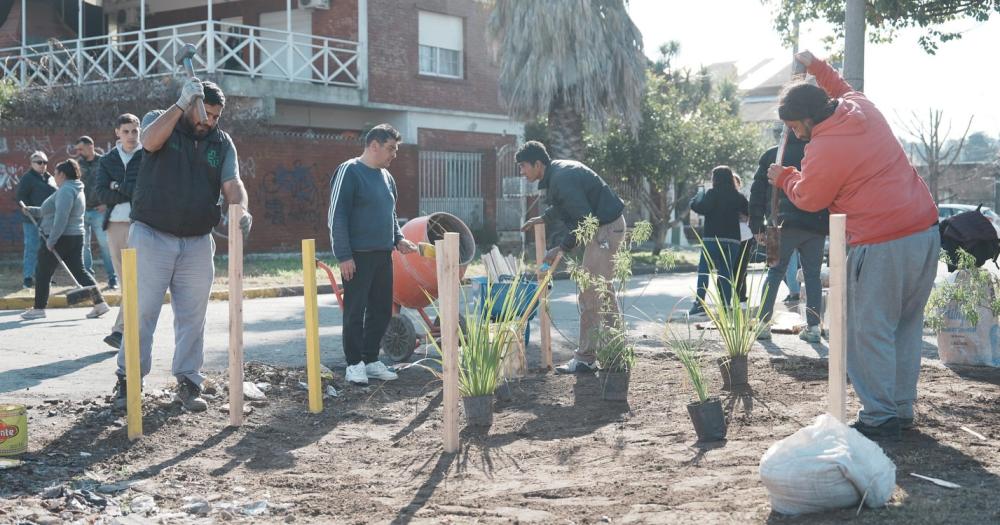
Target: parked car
[947,210]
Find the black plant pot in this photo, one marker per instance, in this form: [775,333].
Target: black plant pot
[614,385]
[734,373]
[478,411]
[708,419]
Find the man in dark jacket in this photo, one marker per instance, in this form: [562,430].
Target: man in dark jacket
[800,230]
[34,187]
[572,192]
[115,181]
[186,165]
[93,218]
[363,233]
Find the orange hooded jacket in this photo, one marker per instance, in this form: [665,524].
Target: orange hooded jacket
[854,165]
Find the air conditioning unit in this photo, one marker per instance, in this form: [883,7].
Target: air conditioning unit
[314,4]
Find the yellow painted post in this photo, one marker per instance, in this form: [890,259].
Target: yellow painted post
[235,316]
[133,375]
[837,400]
[545,323]
[448,287]
[312,325]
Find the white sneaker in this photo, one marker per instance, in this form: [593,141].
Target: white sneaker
[356,374]
[34,313]
[378,370]
[810,335]
[98,310]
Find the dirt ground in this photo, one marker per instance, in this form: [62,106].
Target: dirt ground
[556,453]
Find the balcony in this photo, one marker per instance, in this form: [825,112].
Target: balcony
[231,49]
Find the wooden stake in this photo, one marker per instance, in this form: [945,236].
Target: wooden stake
[130,313]
[312,326]
[837,401]
[235,316]
[544,321]
[448,288]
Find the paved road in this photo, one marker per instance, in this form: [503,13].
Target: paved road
[63,355]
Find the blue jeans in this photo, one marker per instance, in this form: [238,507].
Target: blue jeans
[791,275]
[31,243]
[725,255]
[93,221]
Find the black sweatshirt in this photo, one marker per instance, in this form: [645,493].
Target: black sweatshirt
[721,208]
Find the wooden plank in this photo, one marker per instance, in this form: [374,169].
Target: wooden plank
[235,316]
[312,326]
[130,313]
[544,321]
[448,288]
[500,262]
[837,400]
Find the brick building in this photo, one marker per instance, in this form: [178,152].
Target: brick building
[320,72]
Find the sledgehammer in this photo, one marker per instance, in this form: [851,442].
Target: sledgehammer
[79,294]
[184,57]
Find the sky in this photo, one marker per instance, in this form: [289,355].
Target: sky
[961,79]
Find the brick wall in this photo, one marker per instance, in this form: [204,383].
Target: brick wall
[393,62]
[287,179]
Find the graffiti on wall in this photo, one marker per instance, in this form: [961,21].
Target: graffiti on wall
[248,168]
[292,196]
[28,145]
[10,175]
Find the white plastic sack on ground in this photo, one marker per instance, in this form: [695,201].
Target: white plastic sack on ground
[962,343]
[825,466]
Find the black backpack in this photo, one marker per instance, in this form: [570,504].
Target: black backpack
[972,232]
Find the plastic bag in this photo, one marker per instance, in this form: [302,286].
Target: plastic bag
[826,466]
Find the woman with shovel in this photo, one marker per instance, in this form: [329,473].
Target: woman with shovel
[61,229]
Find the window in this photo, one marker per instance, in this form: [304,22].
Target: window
[441,41]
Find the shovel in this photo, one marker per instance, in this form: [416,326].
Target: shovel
[78,295]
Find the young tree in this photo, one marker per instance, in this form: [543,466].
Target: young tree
[934,148]
[577,62]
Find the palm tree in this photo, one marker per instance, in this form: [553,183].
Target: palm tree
[575,61]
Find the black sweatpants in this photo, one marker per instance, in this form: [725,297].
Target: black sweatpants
[367,306]
[70,248]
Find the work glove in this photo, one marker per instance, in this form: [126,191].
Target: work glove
[191,90]
[245,222]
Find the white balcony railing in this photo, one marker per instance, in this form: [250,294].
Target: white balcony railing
[222,48]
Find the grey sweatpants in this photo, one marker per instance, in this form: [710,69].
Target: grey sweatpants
[887,288]
[184,266]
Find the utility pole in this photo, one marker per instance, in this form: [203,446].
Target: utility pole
[854,46]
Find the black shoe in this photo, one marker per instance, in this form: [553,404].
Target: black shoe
[696,310]
[112,284]
[189,395]
[121,395]
[29,282]
[905,423]
[114,340]
[791,298]
[887,430]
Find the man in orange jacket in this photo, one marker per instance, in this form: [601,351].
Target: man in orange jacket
[854,165]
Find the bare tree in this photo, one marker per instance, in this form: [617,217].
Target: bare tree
[935,150]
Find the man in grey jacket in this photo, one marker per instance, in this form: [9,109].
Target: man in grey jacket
[573,191]
[363,232]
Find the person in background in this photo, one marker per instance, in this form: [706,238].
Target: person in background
[61,226]
[721,206]
[93,218]
[35,186]
[116,176]
[802,232]
[855,165]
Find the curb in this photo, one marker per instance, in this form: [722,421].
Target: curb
[113,299]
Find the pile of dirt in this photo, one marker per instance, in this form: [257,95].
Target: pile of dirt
[556,453]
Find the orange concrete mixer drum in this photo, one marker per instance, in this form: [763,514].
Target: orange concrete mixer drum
[412,273]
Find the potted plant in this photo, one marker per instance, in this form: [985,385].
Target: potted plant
[491,326]
[963,310]
[706,413]
[738,324]
[616,349]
